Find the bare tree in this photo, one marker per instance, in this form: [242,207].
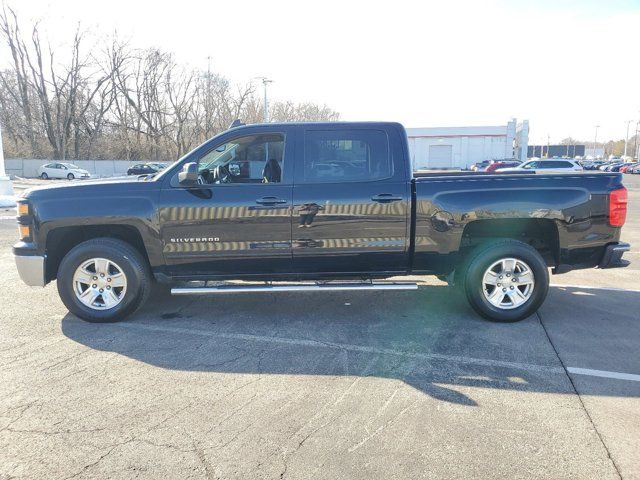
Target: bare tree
[19,88]
[118,101]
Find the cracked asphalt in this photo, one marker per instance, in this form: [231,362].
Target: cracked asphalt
[333,385]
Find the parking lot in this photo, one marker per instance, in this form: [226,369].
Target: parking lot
[332,385]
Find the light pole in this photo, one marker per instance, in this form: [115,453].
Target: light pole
[265,82]
[548,138]
[636,146]
[626,139]
[595,141]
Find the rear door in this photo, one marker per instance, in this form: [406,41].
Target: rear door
[351,201]
[58,171]
[237,222]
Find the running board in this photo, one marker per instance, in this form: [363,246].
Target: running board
[324,287]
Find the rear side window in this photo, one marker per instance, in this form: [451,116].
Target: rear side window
[556,164]
[346,155]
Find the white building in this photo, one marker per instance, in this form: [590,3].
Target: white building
[461,147]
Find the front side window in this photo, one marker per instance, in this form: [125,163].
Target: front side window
[530,165]
[346,155]
[249,159]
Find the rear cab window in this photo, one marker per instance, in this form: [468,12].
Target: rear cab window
[343,155]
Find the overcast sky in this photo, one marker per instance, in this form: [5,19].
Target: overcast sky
[565,65]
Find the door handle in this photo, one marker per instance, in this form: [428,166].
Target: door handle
[386,198]
[270,201]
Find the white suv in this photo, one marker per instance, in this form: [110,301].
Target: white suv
[559,165]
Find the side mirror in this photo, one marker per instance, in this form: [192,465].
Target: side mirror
[189,174]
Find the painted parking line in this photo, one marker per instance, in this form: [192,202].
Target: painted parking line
[604,373]
[486,362]
[589,287]
[299,342]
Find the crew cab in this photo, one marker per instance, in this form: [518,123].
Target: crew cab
[316,206]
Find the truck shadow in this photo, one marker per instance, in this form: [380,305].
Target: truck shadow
[428,339]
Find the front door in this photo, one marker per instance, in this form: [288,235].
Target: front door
[350,206]
[237,221]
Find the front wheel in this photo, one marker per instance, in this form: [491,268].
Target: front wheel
[70,176]
[103,280]
[506,280]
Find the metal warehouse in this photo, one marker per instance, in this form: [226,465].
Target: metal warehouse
[461,147]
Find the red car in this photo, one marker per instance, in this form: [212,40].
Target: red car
[495,165]
[627,168]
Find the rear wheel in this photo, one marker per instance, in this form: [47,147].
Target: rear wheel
[506,280]
[44,176]
[103,280]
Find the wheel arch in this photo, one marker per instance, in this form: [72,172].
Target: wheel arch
[541,233]
[61,240]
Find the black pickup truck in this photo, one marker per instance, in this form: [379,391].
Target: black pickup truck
[315,206]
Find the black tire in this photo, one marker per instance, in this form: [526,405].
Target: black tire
[44,176]
[70,176]
[482,258]
[135,269]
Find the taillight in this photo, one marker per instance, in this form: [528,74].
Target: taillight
[618,207]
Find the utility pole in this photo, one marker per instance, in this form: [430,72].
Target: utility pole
[265,82]
[626,139]
[2,172]
[6,187]
[636,146]
[595,141]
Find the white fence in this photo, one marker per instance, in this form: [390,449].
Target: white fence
[28,168]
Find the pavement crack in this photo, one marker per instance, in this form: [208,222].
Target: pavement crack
[573,386]
[100,458]
[200,454]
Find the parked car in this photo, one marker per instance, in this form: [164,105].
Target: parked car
[544,166]
[591,164]
[62,170]
[502,164]
[143,169]
[481,166]
[627,167]
[159,166]
[636,169]
[616,168]
[365,219]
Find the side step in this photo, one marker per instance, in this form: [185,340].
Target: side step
[324,287]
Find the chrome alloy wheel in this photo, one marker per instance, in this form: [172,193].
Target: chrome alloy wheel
[99,284]
[508,283]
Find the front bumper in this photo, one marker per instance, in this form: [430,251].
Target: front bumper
[31,269]
[612,257]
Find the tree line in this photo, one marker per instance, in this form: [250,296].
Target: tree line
[610,147]
[109,100]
